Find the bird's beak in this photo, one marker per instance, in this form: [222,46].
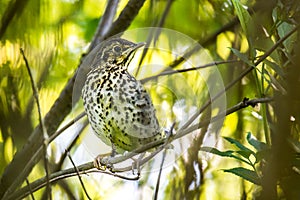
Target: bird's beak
[138,45]
[132,49]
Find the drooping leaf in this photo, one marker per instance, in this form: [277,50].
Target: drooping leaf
[246,23]
[276,83]
[245,154]
[260,155]
[239,145]
[258,145]
[243,15]
[217,152]
[275,67]
[242,57]
[246,174]
[228,153]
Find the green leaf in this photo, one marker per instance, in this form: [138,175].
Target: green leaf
[243,15]
[224,153]
[246,174]
[245,154]
[241,56]
[275,67]
[238,144]
[217,152]
[262,155]
[246,23]
[258,145]
[276,83]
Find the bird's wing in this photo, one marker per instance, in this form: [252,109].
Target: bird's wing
[137,111]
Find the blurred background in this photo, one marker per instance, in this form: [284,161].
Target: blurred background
[55,36]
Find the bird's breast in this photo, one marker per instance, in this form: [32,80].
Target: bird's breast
[119,108]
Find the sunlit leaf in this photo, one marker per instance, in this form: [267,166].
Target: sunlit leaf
[246,174]
[242,14]
[238,144]
[246,22]
[9,149]
[275,67]
[217,152]
[276,84]
[228,153]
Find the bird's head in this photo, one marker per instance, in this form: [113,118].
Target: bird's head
[116,51]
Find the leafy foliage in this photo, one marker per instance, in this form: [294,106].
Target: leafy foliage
[244,154]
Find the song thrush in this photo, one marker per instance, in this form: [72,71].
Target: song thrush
[118,107]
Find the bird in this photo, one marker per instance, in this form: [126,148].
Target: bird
[119,109]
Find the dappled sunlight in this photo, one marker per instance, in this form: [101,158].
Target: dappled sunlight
[222,80]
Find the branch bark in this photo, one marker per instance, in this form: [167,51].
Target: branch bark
[13,8]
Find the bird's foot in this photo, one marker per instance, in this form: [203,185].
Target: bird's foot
[101,162]
[136,164]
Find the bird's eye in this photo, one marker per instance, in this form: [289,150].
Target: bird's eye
[117,48]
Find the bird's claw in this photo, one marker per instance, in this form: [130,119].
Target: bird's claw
[101,162]
[136,164]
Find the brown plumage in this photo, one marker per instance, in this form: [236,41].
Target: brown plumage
[118,107]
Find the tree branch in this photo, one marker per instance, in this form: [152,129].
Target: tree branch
[105,22]
[126,17]
[44,131]
[171,72]
[13,8]
[79,177]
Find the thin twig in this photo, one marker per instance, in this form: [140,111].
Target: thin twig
[77,172]
[77,118]
[277,44]
[154,34]
[192,49]
[31,192]
[239,106]
[45,135]
[57,166]
[159,174]
[171,72]
[57,133]
[73,142]
[36,96]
